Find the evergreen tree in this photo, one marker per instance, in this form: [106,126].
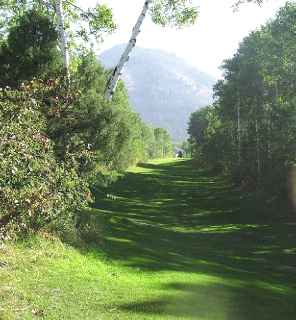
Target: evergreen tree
[30,50]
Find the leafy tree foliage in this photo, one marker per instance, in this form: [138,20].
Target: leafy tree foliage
[105,137]
[197,125]
[160,145]
[250,131]
[35,187]
[30,50]
[173,13]
[86,25]
[238,3]
[57,140]
[93,23]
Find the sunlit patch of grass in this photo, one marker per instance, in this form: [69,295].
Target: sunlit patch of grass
[177,243]
[229,228]
[290,251]
[118,239]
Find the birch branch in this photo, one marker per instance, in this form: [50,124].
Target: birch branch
[125,56]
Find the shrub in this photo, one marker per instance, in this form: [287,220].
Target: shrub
[35,187]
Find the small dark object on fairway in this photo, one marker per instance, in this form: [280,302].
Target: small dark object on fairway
[39,312]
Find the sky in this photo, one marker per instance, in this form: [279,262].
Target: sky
[213,38]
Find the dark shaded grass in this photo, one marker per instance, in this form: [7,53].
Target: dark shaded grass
[173,217]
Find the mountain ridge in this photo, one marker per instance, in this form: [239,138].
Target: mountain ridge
[163,88]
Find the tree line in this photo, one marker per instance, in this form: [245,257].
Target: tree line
[249,132]
[59,134]
[57,141]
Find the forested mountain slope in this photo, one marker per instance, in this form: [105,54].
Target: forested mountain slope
[163,88]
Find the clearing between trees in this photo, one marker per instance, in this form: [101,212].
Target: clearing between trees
[177,242]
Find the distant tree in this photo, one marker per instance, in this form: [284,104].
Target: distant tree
[160,145]
[197,125]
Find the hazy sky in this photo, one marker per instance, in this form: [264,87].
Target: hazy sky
[214,37]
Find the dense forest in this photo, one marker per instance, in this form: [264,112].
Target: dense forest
[249,132]
[60,138]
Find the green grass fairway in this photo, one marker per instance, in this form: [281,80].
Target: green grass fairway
[177,243]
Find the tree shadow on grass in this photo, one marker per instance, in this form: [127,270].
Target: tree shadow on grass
[175,217]
[218,302]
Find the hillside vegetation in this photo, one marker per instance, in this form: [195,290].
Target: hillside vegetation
[162,87]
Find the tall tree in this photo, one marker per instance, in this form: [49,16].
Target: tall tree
[255,110]
[63,39]
[96,22]
[30,49]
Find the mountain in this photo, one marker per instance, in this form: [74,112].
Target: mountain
[163,88]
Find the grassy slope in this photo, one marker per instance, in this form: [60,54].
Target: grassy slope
[178,243]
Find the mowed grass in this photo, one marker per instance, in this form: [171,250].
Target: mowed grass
[177,243]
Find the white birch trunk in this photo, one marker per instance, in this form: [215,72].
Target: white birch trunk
[258,152]
[63,37]
[125,56]
[257,129]
[239,129]
[268,123]
[269,140]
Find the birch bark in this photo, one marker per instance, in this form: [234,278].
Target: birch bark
[239,129]
[258,152]
[63,37]
[125,56]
